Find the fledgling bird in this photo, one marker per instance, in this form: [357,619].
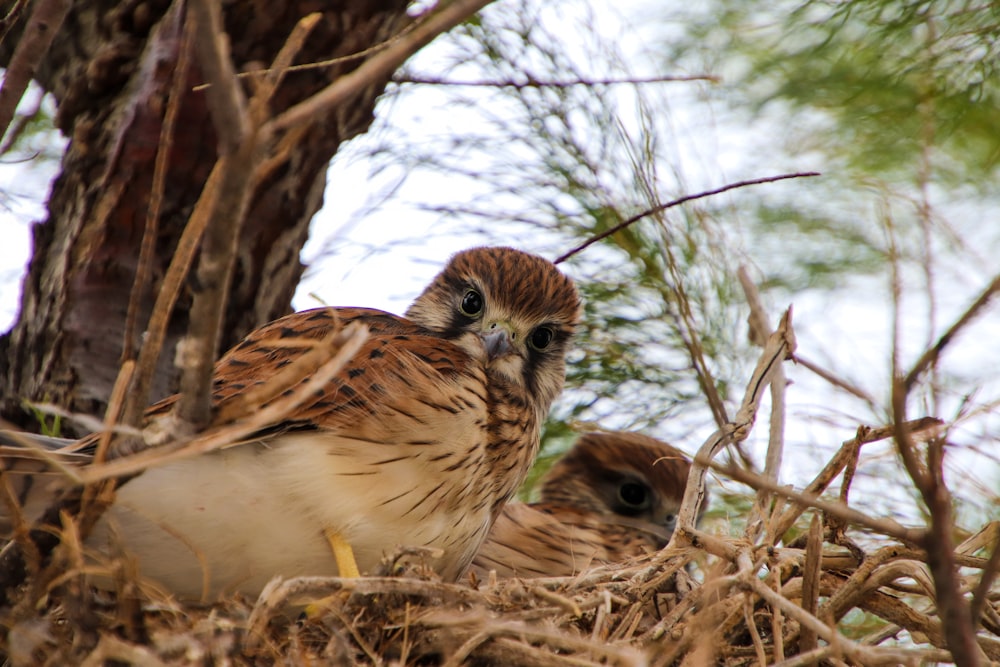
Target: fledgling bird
[612,496]
[419,440]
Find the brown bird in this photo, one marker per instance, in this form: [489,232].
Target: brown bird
[612,496]
[418,441]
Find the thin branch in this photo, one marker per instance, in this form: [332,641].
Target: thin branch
[226,102]
[531,82]
[810,582]
[776,440]
[11,17]
[835,380]
[780,344]
[379,67]
[678,202]
[150,231]
[42,27]
[846,453]
[929,357]
[886,526]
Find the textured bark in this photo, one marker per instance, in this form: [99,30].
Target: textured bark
[110,71]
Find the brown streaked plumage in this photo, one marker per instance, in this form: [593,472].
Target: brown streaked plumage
[612,496]
[419,441]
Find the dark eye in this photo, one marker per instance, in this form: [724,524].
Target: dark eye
[633,494]
[472,303]
[541,337]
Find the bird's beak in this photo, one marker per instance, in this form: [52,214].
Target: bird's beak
[498,342]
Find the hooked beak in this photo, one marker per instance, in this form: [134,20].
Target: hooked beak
[498,342]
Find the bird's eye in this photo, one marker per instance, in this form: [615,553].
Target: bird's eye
[670,521]
[633,495]
[472,303]
[541,338]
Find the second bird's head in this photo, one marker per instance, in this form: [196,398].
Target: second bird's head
[515,308]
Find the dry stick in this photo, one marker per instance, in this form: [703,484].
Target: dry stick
[531,82]
[953,608]
[240,148]
[810,582]
[760,513]
[864,654]
[986,577]
[836,381]
[226,102]
[11,17]
[929,357]
[678,202]
[45,21]
[173,281]
[840,460]
[379,67]
[780,344]
[887,526]
[164,146]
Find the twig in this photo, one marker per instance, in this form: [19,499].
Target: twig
[953,608]
[379,67]
[678,202]
[531,82]
[930,356]
[11,17]
[885,526]
[841,459]
[780,344]
[810,582]
[164,146]
[42,27]
[757,321]
[986,578]
[226,102]
[834,380]
[240,148]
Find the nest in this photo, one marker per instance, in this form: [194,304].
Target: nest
[704,599]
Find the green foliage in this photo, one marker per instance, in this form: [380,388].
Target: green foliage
[48,424]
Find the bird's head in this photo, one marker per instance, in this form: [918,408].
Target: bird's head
[514,309]
[627,478]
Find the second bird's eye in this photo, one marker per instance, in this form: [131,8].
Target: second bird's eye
[472,303]
[632,494]
[541,337]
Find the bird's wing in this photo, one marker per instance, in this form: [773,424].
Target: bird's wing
[402,385]
[540,541]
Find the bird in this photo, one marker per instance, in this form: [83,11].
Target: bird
[612,496]
[418,441]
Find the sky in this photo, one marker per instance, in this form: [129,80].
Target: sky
[383,259]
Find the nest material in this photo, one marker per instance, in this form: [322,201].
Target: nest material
[703,600]
[750,608]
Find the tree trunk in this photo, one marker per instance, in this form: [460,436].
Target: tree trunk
[110,70]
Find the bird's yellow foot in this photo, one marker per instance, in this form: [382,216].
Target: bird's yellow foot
[347,566]
[344,555]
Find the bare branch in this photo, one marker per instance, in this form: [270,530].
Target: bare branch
[380,66]
[531,82]
[930,356]
[678,202]
[43,25]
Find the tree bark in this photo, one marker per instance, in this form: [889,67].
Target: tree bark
[110,70]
